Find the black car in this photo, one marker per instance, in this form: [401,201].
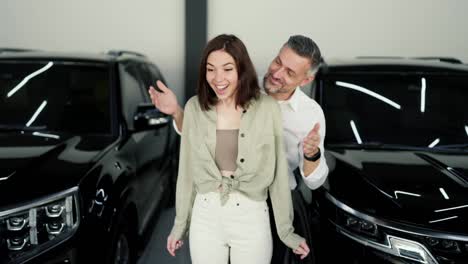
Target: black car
[397,149]
[86,162]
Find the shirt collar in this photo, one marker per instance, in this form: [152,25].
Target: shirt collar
[293,101]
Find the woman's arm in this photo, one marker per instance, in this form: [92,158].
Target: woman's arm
[280,194]
[185,192]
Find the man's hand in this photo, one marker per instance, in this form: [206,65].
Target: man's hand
[312,141]
[165,100]
[173,245]
[303,250]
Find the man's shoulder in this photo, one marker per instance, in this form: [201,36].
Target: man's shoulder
[307,103]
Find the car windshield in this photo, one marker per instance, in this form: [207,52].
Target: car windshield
[55,96]
[414,110]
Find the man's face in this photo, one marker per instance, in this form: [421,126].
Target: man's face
[287,71]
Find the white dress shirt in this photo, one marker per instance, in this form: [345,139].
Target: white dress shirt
[300,113]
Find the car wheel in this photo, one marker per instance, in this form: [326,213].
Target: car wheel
[123,246]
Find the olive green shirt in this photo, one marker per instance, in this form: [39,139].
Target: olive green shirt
[261,164]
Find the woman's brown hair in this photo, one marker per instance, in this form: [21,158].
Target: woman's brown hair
[247,88]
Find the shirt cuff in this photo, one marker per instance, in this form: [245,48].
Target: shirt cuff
[175,127]
[316,178]
[293,241]
[179,232]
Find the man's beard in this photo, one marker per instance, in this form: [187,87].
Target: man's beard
[271,89]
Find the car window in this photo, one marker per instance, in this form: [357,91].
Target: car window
[132,86]
[155,73]
[421,110]
[58,96]
[147,80]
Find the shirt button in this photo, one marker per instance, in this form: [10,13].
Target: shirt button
[232,176]
[242,135]
[241,160]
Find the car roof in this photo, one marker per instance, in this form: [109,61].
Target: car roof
[395,63]
[105,57]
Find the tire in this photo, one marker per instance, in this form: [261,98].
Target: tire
[123,250]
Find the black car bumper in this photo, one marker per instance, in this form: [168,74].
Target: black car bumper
[389,242]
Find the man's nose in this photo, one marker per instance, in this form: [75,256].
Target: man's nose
[278,73]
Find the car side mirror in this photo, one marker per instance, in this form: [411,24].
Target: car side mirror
[148,117]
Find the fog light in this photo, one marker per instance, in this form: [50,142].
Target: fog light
[410,249]
[29,229]
[16,223]
[54,228]
[351,221]
[17,243]
[432,241]
[449,244]
[54,210]
[367,227]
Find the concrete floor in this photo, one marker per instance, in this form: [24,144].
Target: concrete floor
[156,252]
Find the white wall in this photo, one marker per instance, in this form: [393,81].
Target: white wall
[345,28]
[155,28]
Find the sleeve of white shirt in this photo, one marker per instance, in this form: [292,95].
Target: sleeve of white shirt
[175,127]
[315,179]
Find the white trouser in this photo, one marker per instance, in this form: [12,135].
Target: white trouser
[239,229]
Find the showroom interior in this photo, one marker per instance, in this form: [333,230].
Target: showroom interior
[173,33]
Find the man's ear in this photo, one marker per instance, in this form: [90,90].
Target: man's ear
[307,80]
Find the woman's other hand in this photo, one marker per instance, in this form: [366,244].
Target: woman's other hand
[303,250]
[173,245]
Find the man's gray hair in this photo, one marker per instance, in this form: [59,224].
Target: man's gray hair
[307,48]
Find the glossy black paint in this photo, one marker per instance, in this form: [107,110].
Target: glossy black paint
[125,178]
[411,192]
[402,185]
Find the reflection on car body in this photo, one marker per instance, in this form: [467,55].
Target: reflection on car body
[396,144]
[84,168]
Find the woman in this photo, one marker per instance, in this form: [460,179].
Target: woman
[231,158]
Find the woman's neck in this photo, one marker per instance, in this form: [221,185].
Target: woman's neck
[228,103]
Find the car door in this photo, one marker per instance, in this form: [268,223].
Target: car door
[151,152]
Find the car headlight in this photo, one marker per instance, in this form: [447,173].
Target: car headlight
[28,230]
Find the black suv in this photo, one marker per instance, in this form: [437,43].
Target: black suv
[86,162]
[397,149]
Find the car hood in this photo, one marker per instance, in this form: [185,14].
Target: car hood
[428,189]
[34,166]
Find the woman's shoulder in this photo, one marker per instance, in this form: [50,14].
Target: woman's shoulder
[193,103]
[265,100]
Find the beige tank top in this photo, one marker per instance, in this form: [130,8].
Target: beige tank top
[226,149]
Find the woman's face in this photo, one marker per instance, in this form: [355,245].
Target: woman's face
[221,74]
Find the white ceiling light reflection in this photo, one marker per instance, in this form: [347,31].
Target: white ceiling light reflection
[443,219]
[466,130]
[356,133]
[451,208]
[423,95]
[368,92]
[442,191]
[38,111]
[434,143]
[29,77]
[46,135]
[406,193]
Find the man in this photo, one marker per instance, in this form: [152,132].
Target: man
[303,121]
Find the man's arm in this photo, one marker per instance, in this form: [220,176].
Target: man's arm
[310,149]
[314,173]
[165,100]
